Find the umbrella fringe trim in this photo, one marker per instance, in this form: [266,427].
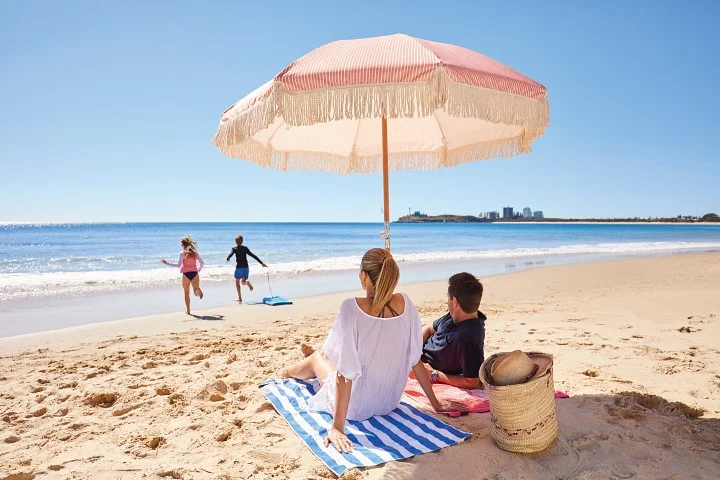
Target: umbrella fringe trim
[400,100]
[319,161]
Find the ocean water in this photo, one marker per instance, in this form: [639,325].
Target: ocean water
[51,261]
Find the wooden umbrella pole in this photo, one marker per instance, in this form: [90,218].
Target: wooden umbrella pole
[386,184]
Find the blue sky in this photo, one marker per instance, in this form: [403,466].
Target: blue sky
[107,109]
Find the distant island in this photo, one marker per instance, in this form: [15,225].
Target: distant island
[418,217]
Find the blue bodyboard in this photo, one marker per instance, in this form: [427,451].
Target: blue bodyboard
[275,301]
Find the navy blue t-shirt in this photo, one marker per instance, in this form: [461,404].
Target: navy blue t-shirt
[456,348]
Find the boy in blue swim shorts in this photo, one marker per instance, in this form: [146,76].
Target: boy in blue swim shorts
[242,269]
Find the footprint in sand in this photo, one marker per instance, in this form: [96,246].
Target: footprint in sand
[154,442]
[123,411]
[102,400]
[177,399]
[561,460]
[584,444]
[266,406]
[20,476]
[177,474]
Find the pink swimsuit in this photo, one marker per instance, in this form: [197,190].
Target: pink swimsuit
[189,263]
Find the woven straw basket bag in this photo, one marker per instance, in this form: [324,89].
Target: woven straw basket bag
[522,416]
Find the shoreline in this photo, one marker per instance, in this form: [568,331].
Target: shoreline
[52,312]
[318,304]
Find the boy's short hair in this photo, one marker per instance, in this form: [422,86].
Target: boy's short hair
[467,290]
[239,240]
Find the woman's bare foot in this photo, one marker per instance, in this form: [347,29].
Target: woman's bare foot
[200,293]
[306,349]
[285,373]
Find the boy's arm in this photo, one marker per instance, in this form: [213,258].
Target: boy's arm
[255,257]
[232,252]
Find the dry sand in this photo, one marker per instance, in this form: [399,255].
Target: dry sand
[629,338]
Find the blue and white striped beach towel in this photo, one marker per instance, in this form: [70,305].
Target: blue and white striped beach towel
[403,433]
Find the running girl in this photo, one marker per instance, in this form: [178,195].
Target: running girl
[190,264]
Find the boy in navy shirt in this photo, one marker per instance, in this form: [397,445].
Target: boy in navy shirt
[242,269]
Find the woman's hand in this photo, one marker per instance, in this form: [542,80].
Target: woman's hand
[164,261]
[339,440]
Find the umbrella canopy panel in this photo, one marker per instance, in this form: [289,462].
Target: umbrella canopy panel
[445,105]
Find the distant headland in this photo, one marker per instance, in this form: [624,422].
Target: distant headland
[418,217]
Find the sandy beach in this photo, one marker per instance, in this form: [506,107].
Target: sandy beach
[636,345]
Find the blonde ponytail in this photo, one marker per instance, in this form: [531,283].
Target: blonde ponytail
[189,246]
[384,274]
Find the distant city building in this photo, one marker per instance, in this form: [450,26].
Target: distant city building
[507,212]
[538,215]
[492,215]
[527,212]
[417,213]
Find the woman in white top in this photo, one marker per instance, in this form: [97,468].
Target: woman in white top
[372,346]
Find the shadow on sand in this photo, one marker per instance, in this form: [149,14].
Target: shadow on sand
[620,436]
[210,318]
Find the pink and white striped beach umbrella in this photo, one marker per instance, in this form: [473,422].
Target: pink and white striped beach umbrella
[385,103]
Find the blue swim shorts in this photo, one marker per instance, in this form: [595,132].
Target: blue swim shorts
[242,273]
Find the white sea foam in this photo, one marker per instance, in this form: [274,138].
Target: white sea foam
[14,286]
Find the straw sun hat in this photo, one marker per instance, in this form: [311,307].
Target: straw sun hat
[517,367]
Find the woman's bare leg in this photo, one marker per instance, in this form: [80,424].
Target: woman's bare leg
[316,365]
[237,286]
[186,288]
[196,286]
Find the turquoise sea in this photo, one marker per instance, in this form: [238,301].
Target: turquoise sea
[52,265]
